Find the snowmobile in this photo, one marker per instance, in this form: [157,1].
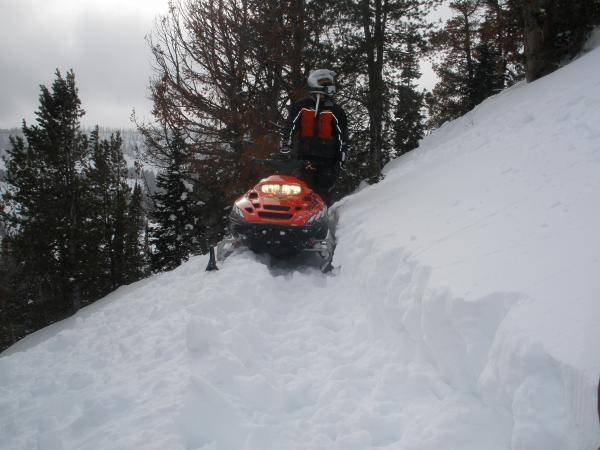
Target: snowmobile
[281,216]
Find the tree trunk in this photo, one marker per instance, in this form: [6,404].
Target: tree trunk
[298,39]
[469,59]
[537,17]
[374,41]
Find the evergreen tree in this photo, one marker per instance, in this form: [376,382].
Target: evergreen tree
[44,214]
[478,59]
[73,228]
[409,121]
[134,256]
[106,205]
[117,254]
[485,77]
[554,30]
[502,31]
[489,44]
[409,126]
[174,237]
[373,39]
[453,95]
[13,314]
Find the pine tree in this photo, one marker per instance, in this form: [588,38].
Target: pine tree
[117,254]
[174,237]
[478,59]
[409,120]
[452,96]
[134,256]
[374,37]
[554,30]
[502,31]
[535,36]
[44,214]
[106,204]
[486,81]
[13,315]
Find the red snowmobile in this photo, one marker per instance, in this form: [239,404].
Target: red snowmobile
[280,216]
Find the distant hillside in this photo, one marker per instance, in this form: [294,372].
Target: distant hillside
[132,142]
[132,139]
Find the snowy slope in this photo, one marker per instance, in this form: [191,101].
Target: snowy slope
[463,313]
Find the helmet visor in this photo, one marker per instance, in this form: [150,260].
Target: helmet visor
[328,86]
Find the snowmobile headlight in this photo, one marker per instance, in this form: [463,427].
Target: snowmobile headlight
[281,189]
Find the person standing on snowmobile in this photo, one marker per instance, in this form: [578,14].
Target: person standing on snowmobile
[317,132]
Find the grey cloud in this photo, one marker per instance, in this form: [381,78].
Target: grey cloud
[106,50]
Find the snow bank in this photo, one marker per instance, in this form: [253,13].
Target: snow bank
[462,315]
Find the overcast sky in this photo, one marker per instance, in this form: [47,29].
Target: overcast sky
[101,40]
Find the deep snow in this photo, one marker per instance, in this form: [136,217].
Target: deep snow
[463,313]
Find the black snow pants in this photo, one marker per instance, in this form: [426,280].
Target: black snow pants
[320,175]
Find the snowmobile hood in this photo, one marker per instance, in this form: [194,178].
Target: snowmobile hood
[279,200]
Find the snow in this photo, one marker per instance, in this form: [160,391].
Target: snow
[462,313]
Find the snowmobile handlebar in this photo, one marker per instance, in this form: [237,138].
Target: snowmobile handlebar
[284,167]
[288,165]
[280,163]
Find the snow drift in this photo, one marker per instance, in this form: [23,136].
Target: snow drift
[463,313]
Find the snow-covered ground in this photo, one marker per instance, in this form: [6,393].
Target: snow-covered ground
[463,313]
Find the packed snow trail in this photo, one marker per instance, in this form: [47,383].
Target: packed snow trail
[243,367]
[462,314]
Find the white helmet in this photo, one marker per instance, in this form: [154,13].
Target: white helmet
[320,81]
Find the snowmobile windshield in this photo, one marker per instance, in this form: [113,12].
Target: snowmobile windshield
[281,189]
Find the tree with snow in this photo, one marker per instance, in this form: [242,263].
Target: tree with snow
[174,236]
[107,197]
[72,222]
[44,211]
[134,252]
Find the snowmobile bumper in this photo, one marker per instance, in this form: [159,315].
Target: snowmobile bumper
[279,240]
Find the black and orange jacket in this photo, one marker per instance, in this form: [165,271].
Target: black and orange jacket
[319,134]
